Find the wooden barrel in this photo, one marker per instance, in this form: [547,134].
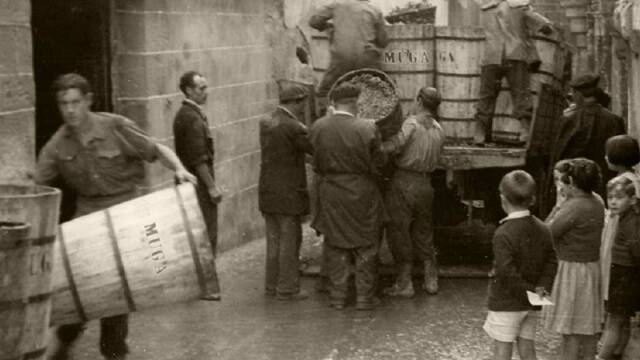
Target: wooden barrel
[507,129]
[39,206]
[150,251]
[459,53]
[408,59]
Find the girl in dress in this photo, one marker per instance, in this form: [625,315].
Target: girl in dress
[576,226]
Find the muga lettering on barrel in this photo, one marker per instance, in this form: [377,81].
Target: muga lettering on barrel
[408,59]
[146,252]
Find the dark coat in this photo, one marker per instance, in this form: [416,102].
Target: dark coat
[193,140]
[347,155]
[583,133]
[283,181]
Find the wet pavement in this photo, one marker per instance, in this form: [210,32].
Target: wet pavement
[247,325]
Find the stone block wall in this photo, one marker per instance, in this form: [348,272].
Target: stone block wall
[155,42]
[17,92]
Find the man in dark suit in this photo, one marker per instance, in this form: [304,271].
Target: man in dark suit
[283,197]
[584,131]
[350,213]
[194,147]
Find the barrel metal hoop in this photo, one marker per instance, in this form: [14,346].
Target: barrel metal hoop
[456,119]
[72,283]
[192,243]
[460,38]
[410,72]
[458,75]
[120,265]
[29,355]
[473,100]
[10,304]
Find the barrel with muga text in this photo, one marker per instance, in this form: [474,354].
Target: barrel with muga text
[143,253]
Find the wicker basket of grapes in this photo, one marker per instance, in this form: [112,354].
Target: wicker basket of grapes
[378,100]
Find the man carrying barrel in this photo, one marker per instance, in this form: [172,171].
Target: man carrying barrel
[194,147]
[409,199]
[283,196]
[509,53]
[101,157]
[350,211]
[357,35]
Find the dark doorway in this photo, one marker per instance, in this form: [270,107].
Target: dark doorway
[69,36]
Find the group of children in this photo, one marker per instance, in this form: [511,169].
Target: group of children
[582,257]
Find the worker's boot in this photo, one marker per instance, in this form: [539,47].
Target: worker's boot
[403,287]
[430,277]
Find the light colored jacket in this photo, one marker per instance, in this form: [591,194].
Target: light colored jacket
[508,31]
[357,28]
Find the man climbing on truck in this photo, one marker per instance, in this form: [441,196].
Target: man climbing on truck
[357,36]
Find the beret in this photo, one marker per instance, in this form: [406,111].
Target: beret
[345,91]
[290,91]
[586,81]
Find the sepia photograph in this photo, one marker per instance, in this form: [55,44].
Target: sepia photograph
[319,179]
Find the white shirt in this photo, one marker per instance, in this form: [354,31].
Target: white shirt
[516,215]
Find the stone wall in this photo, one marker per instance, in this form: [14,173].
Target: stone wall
[154,43]
[17,112]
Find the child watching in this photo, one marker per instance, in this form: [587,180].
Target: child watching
[622,154]
[625,261]
[577,313]
[524,260]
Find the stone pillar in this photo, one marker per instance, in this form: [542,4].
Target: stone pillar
[17,92]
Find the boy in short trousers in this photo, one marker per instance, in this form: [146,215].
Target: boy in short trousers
[524,260]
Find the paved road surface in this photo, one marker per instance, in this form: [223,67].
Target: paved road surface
[246,325]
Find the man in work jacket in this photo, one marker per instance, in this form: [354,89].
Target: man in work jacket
[409,200]
[584,131]
[357,37]
[350,211]
[194,147]
[282,191]
[101,157]
[509,53]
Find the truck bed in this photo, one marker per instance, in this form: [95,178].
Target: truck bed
[466,157]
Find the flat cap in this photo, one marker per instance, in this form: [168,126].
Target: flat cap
[586,81]
[290,91]
[345,91]
[430,96]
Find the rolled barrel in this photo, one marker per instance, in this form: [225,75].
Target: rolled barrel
[146,252]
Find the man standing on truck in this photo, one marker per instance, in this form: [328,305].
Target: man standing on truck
[101,157]
[409,200]
[509,53]
[357,36]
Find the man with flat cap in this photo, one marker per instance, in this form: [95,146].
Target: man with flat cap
[409,199]
[350,211]
[584,131]
[282,192]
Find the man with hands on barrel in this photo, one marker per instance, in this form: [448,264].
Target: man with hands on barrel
[101,157]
